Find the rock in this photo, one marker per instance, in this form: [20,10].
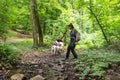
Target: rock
[38,77]
[40,70]
[17,76]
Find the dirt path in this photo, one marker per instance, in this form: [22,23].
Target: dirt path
[21,37]
[51,67]
[16,40]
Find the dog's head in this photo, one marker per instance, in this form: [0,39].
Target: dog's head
[59,40]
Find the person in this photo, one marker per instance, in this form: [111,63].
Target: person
[73,42]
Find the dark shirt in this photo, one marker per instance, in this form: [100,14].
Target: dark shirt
[73,36]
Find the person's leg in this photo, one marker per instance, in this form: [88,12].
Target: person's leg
[73,51]
[68,52]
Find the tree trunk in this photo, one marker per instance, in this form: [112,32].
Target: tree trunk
[81,22]
[34,26]
[37,39]
[99,24]
[40,33]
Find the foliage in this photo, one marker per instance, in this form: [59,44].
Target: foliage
[94,63]
[4,18]
[55,15]
[105,14]
[9,54]
[20,16]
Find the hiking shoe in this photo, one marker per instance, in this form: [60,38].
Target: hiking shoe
[74,59]
[65,59]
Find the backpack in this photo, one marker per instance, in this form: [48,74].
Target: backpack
[79,36]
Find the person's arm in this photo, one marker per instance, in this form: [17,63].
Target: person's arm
[65,34]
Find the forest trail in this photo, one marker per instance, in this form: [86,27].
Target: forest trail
[21,37]
[16,40]
[50,66]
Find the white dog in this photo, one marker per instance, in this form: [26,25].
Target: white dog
[57,47]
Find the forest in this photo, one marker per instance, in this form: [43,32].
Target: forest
[28,29]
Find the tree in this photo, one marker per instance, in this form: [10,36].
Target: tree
[103,14]
[38,40]
[97,20]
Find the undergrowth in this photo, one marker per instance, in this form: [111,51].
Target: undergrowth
[9,55]
[10,52]
[95,63]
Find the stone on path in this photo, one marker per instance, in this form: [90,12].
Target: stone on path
[38,77]
[17,77]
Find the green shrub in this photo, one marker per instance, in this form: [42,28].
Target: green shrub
[9,54]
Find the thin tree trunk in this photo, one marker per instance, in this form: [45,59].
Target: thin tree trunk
[34,26]
[81,22]
[99,24]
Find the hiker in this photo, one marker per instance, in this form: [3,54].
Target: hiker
[73,42]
